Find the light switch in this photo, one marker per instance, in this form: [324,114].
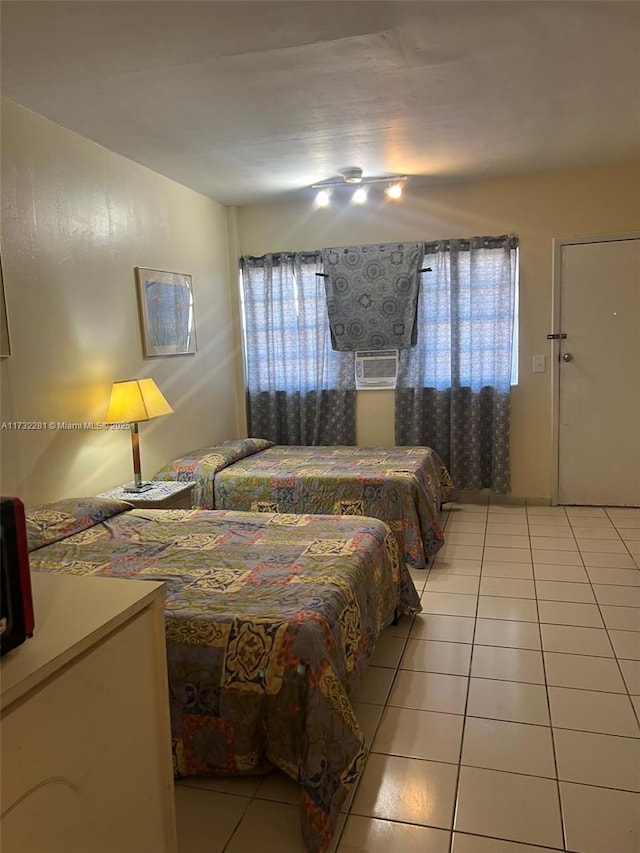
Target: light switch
[539,364]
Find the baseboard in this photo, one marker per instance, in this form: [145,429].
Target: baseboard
[493,499]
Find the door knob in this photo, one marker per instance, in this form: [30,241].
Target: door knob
[567,357]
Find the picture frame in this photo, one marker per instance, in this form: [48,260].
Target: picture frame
[167,314]
[5,340]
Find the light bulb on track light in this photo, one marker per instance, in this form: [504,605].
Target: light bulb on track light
[360,195]
[394,191]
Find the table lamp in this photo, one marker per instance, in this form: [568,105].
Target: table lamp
[132,401]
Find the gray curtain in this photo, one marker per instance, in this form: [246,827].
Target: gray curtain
[454,387]
[299,391]
[372,294]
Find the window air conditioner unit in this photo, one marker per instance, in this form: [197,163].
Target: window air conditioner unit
[376,369]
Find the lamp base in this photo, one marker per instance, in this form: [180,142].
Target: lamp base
[143,487]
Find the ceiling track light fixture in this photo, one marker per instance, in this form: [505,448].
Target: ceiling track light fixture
[354,176]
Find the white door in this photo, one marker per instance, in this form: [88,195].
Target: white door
[599,374]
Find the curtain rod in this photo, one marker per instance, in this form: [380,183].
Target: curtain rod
[326,274]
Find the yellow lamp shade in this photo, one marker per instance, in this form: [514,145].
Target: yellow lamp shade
[136,400]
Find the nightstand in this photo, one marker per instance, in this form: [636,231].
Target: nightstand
[170,494]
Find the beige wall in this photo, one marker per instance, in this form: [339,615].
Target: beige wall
[537,208]
[76,220]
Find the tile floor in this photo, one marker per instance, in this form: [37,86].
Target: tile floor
[502,719]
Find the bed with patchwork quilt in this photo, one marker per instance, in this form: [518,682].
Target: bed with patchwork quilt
[403,486]
[270,621]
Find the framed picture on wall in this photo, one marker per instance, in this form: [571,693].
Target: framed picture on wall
[5,343]
[166,312]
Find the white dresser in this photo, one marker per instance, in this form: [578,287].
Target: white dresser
[84,722]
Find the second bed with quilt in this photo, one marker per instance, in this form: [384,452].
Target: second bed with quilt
[403,486]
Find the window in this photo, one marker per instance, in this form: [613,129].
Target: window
[467,317]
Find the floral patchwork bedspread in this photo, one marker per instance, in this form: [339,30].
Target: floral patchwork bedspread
[270,620]
[403,486]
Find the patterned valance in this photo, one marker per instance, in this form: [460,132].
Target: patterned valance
[372,295]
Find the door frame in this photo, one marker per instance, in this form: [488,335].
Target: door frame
[556,325]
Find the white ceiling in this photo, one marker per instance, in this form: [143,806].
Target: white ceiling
[254,101]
